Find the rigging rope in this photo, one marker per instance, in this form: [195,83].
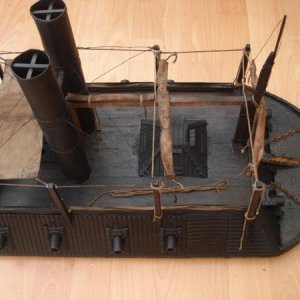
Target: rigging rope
[249,124]
[123,193]
[139,49]
[116,48]
[96,113]
[252,165]
[40,181]
[118,65]
[11,110]
[149,49]
[23,125]
[252,60]
[268,39]
[4,52]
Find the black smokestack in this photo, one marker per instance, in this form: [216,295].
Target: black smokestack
[52,21]
[40,86]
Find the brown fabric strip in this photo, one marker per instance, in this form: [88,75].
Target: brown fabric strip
[163,99]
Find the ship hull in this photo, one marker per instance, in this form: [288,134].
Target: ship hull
[207,233]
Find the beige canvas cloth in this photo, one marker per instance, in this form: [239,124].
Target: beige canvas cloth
[20,135]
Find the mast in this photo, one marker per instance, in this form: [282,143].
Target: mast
[280,34]
[266,70]
[259,120]
[242,134]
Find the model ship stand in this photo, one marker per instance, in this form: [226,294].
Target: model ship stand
[212,172]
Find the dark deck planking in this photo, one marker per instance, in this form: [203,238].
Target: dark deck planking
[114,161]
[285,118]
[113,156]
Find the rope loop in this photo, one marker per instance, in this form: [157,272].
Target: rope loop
[249,218]
[158,187]
[174,54]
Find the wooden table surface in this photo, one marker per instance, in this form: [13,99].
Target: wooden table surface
[174,25]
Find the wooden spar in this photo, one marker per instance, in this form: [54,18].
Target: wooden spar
[280,34]
[258,137]
[255,202]
[266,70]
[259,134]
[134,100]
[257,195]
[163,101]
[258,188]
[281,161]
[158,214]
[242,133]
[264,77]
[59,202]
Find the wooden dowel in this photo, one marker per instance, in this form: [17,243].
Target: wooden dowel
[281,161]
[255,201]
[280,34]
[134,100]
[59,202]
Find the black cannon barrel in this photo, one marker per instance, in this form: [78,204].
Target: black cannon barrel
[40,86]
[52,21]
[3,240]
[117,244]
[171,243]
[54,241]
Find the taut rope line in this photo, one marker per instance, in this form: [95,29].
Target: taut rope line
[249,125]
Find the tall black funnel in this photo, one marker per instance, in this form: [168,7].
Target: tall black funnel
[52,21]
[38,82]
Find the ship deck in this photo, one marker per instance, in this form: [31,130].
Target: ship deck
[113,154]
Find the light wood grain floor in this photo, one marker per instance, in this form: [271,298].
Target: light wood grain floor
[175,25]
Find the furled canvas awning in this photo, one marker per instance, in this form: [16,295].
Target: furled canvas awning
[20,136]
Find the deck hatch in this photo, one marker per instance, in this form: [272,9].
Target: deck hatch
[189,148]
